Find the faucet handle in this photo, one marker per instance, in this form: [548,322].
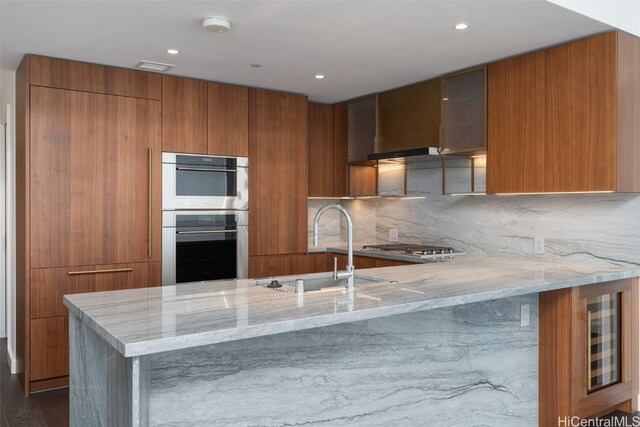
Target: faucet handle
[335,268]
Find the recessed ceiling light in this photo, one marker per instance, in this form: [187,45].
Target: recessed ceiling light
[216,24]
[319,76]
[461,26]
[173,51]
[255,65]
[154,66]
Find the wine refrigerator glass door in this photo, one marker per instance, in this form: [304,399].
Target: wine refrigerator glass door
[603,341]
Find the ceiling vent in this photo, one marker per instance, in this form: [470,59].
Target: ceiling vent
[216,24]
[154,66]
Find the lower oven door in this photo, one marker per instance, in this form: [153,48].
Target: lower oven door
[199,246]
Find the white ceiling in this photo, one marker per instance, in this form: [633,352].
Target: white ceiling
[362,46]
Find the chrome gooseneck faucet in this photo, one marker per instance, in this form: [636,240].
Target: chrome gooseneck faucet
[349,273]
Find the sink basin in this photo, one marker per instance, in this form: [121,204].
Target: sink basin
[314,282]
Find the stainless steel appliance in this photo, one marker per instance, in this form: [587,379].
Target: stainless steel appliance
[204,182]
[417,250]
[204,245]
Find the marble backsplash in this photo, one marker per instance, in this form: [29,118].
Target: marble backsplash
[582,227]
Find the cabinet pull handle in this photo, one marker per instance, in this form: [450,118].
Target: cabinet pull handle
[114,270]
[150,228]
[181,168]
[588,350]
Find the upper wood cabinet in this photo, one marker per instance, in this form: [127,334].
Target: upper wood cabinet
[278,172]
[562,120]
[228,125]
[321,150]
[82,76]
[328,171]
[201,117]
[409,117]
[184,115]
[94,172]
[464,112]
[361,128]
[516,124]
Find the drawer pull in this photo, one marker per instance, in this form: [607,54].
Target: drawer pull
[115,270]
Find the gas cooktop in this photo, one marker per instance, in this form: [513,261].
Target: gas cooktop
[412,249]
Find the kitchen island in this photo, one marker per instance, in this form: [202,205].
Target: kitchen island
[428,344]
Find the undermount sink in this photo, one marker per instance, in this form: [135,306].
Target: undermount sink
[313,282]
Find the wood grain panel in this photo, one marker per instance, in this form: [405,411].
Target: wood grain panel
[49,352]
[516,124]
[321,150]
[278,173]
[91,167]
[363,180]
[580,150]
[65,74]
[628,110]
[228,120]
[184,115]
[51,118]
[49,285]
[409,117]
[23,221]
[284,265]
[340,142]
[144,275]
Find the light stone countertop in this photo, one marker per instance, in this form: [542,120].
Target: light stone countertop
[152,320]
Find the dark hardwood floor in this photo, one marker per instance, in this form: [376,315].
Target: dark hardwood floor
[46,409]
[51,408]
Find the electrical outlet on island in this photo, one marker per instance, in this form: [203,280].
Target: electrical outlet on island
[393,234]
[538,245]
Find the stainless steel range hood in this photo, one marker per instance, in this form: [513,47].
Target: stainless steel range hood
[400,155]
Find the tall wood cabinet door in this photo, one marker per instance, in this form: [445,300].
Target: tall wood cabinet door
[228,120]
[278,172]
[95,185]
[516,121]
[321,173]
[184,115]
[581,115]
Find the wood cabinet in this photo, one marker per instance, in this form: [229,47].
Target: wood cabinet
[278,171]
[329,173]
[561,120]
[88,142]
[565,341]
[321,151]
[362,262]
[516,125]
[464,112]
[94,187]
[184,115]
[409,117]
[200,117]
[82,76]
[228,120]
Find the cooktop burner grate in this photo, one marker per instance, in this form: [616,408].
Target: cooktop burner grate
[410,249]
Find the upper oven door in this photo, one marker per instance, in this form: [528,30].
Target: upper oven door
[204,182]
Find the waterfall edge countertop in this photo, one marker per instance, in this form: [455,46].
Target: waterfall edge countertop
[152,320]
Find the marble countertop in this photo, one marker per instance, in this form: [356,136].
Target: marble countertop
[152,320]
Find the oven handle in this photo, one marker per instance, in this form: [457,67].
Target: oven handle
[207,232]
[180,168]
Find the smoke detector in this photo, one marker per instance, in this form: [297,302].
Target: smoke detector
[216,24]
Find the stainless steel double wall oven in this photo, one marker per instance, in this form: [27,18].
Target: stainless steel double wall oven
[204,218]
